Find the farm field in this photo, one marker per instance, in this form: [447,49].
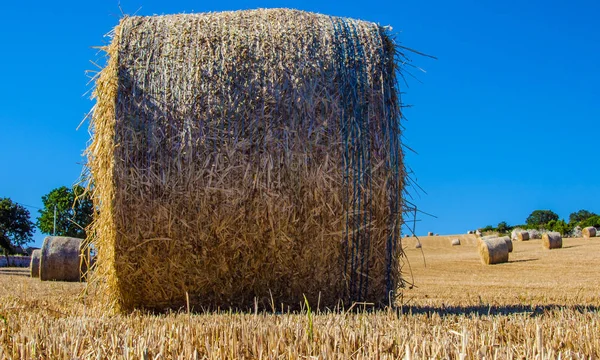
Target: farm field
[541,304]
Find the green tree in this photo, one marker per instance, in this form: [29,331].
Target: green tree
[559,226]
[74,211]
[580,216]
[539,218]
[16,229]
[591,221]
[503,227]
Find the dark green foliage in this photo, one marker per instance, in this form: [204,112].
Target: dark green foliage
[560,226]
[580,216]
[74,211]
[591,221]
[503,227]
[539,218]
[15,227]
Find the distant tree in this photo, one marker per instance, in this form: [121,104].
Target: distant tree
[559,226]
[539,218]
[487,228]
[503,227]
[580,216]
[74,211]
[16,229]
[591,221]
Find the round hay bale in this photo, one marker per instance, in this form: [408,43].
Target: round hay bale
[509,243]
[244,140]
[34,266]
[588,232]
[455,242]
[523,236]
[552,240]
[418,245]
[430,233]
[493,251]
[406,235]
[61,259]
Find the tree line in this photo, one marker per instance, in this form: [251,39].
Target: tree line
[66,212]
[550,221]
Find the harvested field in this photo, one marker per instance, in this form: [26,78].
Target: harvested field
[502,311]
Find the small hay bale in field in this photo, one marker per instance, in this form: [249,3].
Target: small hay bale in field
[534,234]
[552,240]
[61,259]
[247,155]
[35,263]
[430,233]
[588,232]
[406,235]
[470,232]
[522,236]
[418,245]
[455,242]
[493,251]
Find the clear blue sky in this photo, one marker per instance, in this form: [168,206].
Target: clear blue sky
[504,121]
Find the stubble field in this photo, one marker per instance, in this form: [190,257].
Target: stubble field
[541,304]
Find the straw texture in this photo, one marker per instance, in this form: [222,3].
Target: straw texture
[61,259]
[493,251]
[588,232]
[247,155]
[552,240]
[35,263]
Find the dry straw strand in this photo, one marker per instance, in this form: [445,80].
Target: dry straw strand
[247,155]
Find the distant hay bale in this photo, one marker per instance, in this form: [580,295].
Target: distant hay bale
[493,251]
[455,242]
[430,233]
[247,155]
[534,234]
[588,232]
[61,259]
[35,263]
[418,245]
[522,236]
[552,240]
[470,232]
[406,235]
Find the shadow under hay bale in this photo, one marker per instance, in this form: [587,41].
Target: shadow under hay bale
[61,259]
[588,232]
[493,251]
[35,263]
[552,240]
[254,155]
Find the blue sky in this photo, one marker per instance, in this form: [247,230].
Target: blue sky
[503,122]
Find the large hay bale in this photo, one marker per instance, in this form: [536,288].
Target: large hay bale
[509,243]
[588,232]
[552,240]
[35,263]
[62,259]
[522,236]
[247,155]
[493,251]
